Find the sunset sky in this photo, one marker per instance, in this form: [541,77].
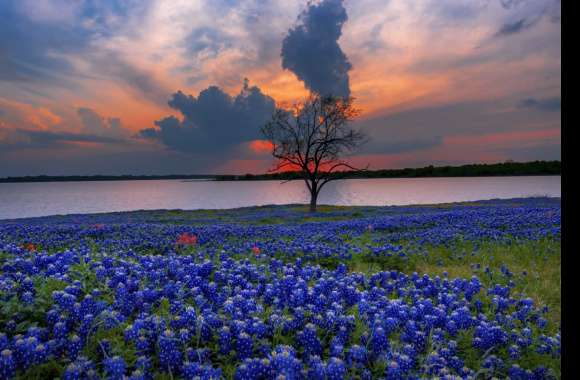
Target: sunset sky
[158,86]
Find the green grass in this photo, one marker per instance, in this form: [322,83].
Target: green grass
[536,273]
[535,265]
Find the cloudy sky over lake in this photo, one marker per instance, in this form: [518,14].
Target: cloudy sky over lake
[182,86]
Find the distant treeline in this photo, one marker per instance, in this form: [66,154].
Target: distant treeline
[473,170]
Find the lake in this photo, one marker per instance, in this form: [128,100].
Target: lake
[19,200]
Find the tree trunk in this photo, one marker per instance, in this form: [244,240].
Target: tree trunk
[313,198]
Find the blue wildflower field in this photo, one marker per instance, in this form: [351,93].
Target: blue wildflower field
[466,290]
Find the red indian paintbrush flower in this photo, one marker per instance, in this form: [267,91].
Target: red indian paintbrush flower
[187,239]
[30,247]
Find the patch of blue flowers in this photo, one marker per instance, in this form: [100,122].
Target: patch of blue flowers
[114,297]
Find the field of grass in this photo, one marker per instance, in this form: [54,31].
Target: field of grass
[466,290]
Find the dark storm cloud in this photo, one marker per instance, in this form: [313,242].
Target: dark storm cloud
[311,51]
[547,104]
[214,122]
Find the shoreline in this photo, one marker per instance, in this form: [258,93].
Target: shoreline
[323,208]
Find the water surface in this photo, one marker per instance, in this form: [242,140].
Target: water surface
[19,200]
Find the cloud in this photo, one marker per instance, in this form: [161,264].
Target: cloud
[375,42]
[508,4]
[94,123]
[457,11]
[516,26]
[26,46]
[19,139]
[528,13]
[207,42]
[214,122]
[39,36]
[505,138]
[401,146]
[311,51]
[547,104]
[56,11]
[458,126]
[26,126]
[140,81]
[14,114]
[47,137]
[260,146]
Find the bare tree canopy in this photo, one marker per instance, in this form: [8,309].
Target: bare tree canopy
[313,138]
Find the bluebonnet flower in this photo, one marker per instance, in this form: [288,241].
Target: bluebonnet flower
[7,364]
[244,346]
[170,356]
[393,371]
[27,298]
[73,372]
[358,355]
[488,335]
[74,346]
[518,373]
[115,368]
[284,362]
[225,340]
[336,347]
[335,369]
[308,338]
[514,352]
[82,368]
[379,341]
[251,369]
[40,354]
[198,371]
[60,330]
[316,368]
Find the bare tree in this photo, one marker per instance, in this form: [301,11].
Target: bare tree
[312,138]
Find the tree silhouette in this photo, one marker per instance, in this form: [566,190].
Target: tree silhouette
[312,138]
